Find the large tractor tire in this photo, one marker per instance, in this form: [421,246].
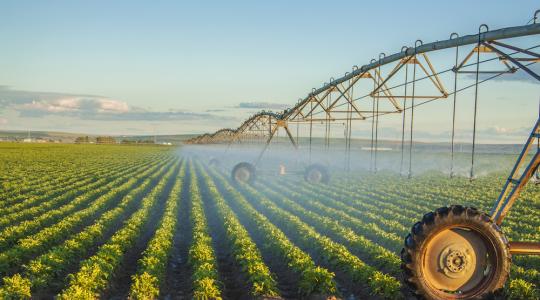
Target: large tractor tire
[243,172]
[456,252]
[317,173]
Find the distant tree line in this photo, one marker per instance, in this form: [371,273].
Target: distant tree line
[137,141]
[98,140]
[110,140]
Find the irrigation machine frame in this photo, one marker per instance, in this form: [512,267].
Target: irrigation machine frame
[454,252]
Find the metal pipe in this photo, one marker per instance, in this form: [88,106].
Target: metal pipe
[504,33]
[524,248]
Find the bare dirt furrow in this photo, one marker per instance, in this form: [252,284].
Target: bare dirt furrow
[178,276]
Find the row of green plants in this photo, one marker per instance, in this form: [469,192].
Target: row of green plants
[394,194]
[110,191]
[25,180]
[46,166]
[202,257]
[36,206]
[54,179]
[349,196]
[419,199]
[336,255]
[346,231]
[314,205]
[54,185]
[425,194]
[260,282]
[51,235]
[362,210]
[146,284]
[47,269]
[95,273]
[313,280]
[49,188]
[480,193]
[412,203]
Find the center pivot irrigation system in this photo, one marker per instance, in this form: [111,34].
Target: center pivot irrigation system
[455,252]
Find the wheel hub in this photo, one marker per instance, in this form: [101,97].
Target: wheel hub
[242,175]
[315,176]
[455,260]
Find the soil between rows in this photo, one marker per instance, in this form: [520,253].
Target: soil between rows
[235,286]
[121,282]
[55,287]
[177,283]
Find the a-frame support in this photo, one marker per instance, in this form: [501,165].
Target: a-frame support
[275,128]
[518,178]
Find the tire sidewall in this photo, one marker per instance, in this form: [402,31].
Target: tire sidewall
[474,220]
[247,166]
[325,175]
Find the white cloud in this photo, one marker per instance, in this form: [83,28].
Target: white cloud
[262,105]
[88,107]
[77,104]
[502,130]
[505,131]
[57,106]
[108,105]
[3,121]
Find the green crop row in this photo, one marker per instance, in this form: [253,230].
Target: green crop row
[95,272]
[54,185]
[340,228]
[151,271]
[246,253]
[313,279]
[108,193]
[71,192]
[42,271]
[48,187]
[361,210]
[335,254]
[371,230]
[33,169]
[201,254]
[418,196]
[33,244]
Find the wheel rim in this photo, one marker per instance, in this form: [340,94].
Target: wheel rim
[315,176]
[242,174]
[457,261]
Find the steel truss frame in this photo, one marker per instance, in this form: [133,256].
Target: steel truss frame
[339,92]
[323,104]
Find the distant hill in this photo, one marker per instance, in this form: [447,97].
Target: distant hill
[175,139]
[68,137]
[16,135]
[336,143]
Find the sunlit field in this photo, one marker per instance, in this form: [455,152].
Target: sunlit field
[147,222]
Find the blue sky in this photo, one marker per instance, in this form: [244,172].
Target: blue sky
[186,67]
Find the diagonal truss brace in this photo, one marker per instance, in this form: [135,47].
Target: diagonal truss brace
[518,178]
[517,61]
[275,128]
[344,92]
[429,71]
[484,48]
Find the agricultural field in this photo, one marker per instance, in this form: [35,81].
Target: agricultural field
[148,222]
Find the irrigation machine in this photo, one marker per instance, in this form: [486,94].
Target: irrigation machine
[258,131]
[455,252]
